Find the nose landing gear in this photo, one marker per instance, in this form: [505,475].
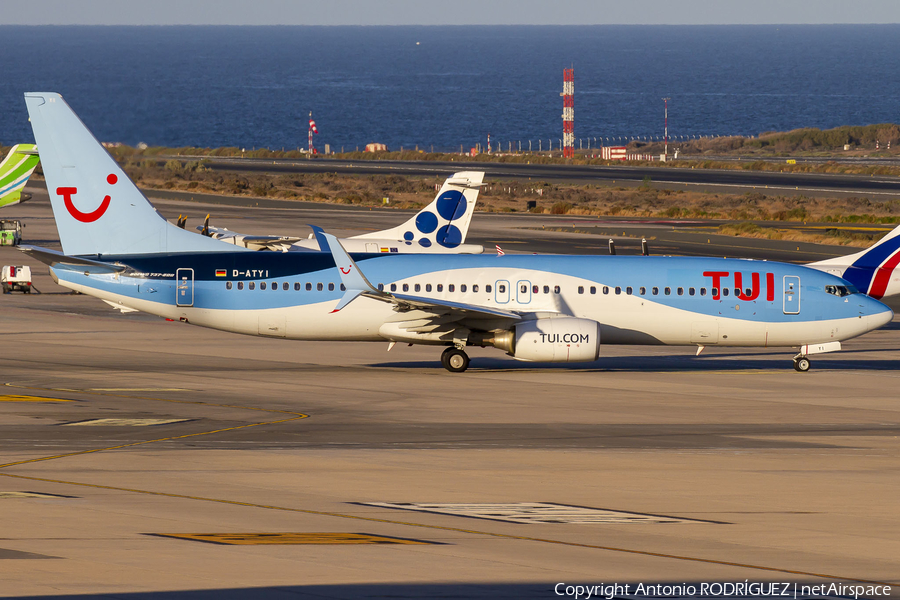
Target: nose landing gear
[455,360]
[801,364]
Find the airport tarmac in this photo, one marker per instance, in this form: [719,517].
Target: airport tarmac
[146,458]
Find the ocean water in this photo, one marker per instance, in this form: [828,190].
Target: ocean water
[447,87]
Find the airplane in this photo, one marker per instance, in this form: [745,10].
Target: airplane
[439,228]
[872,271]
[539,308]
[15,170]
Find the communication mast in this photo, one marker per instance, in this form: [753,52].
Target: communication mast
[568,115]
[312,129]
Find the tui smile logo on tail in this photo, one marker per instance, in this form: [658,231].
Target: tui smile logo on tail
[68,192]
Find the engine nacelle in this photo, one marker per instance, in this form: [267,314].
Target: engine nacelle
[562,339]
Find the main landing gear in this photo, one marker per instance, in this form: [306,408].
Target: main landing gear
[455,360]
[801,364]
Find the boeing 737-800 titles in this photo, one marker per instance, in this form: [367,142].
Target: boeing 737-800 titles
[541,308]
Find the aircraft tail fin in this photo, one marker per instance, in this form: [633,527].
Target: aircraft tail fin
[15,170]
[870,270]
[444,222]
[98,209]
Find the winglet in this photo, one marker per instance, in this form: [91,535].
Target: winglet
[320,238]
[352,278]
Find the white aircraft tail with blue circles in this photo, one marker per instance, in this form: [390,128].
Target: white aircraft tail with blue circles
[98,209]
[444,224]
[439,228]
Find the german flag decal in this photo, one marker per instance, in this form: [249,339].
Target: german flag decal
[221,272]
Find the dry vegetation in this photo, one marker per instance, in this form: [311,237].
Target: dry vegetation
[645,201]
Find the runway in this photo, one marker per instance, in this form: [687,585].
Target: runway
[650,465]
[706,180]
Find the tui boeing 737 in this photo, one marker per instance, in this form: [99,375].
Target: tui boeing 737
[541,308]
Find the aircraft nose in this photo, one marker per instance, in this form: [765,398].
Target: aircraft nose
[879,314]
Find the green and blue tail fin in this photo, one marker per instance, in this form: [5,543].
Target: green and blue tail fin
[15,170]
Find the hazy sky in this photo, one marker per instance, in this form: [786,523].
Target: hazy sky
[440,12]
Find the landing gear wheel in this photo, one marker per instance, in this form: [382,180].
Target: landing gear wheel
[801,364]
[455,360]
[444,355]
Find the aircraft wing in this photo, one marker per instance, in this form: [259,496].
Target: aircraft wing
[254,242]
[357,285]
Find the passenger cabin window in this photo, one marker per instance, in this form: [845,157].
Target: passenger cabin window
[380,287]
[618,290]
[546,289]
[393,287]
[462,288]
[451,288]
[344,288]
[643,291]
[715,292]
[555,289]
[240,285]
[702,291]
[427,287]
[274,286]
[593,289]
[534,289]
[522,288]
[655,291]
[308,286]
[440,287]
[319,287]
[251,286]
[580,289]
[475,288]
[681,291]
[737,291]
[228,285]
[667,291]
[628,290]
[487,288]
[724,291]
[297,287]
[691,291]
[262,285]
[285,286]
[405,287]
[330,287]
[605,289]
[418,288]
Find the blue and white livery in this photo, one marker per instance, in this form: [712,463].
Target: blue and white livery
[439,228]
[535,308]
[874,271]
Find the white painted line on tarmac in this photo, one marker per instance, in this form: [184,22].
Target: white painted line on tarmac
[124,422]
[533,512]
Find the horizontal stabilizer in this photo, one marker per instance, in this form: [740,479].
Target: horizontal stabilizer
[54,258]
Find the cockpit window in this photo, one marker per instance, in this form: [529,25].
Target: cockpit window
[841,290]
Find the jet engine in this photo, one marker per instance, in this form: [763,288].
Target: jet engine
[558,339]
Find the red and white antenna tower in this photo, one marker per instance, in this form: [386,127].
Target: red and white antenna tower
[568,115]
[312,129]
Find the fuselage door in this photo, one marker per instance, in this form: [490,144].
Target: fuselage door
[184,287]
[791,295]
[523,292]
[501,295]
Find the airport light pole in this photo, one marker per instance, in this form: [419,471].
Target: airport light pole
[666,100]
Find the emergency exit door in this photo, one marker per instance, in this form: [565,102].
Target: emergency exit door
[184,287]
